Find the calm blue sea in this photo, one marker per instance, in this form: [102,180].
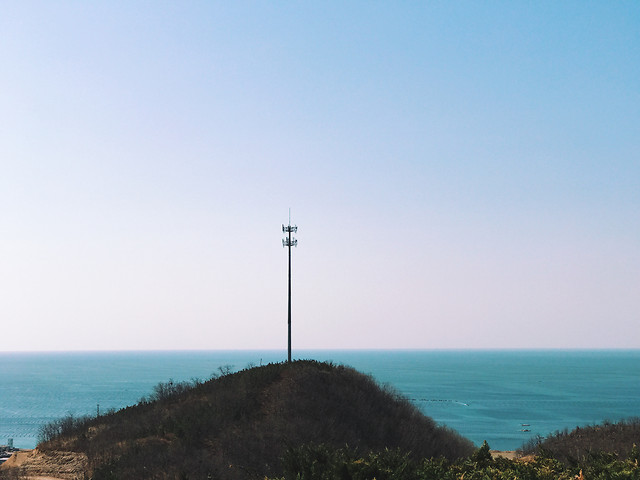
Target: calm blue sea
[484,395]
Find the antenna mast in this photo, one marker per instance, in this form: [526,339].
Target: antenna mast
[289,242]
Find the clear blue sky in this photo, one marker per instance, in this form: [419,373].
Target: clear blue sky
[463,174]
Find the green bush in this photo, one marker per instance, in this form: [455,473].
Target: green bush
[322,462]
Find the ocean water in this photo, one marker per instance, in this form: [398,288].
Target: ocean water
[504,397]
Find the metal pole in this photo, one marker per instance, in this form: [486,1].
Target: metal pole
[289,242]
[289,322]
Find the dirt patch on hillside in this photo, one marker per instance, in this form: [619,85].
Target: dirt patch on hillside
[36,465]
[511,455]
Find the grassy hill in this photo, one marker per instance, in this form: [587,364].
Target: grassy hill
[241,425]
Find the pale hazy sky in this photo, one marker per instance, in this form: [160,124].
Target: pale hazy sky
[463,174]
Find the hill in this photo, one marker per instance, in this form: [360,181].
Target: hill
[240,425]
[620,439]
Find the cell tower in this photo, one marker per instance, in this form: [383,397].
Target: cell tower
[289,242]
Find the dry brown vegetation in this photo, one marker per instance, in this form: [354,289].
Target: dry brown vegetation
[583,443]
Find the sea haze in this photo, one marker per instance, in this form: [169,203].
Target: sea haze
[504,397]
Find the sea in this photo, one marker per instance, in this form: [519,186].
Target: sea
[505,397]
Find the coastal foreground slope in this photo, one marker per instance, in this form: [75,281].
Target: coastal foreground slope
[240,425]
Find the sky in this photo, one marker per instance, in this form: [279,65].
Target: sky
[462,174]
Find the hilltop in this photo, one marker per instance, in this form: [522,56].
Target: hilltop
[240,425]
